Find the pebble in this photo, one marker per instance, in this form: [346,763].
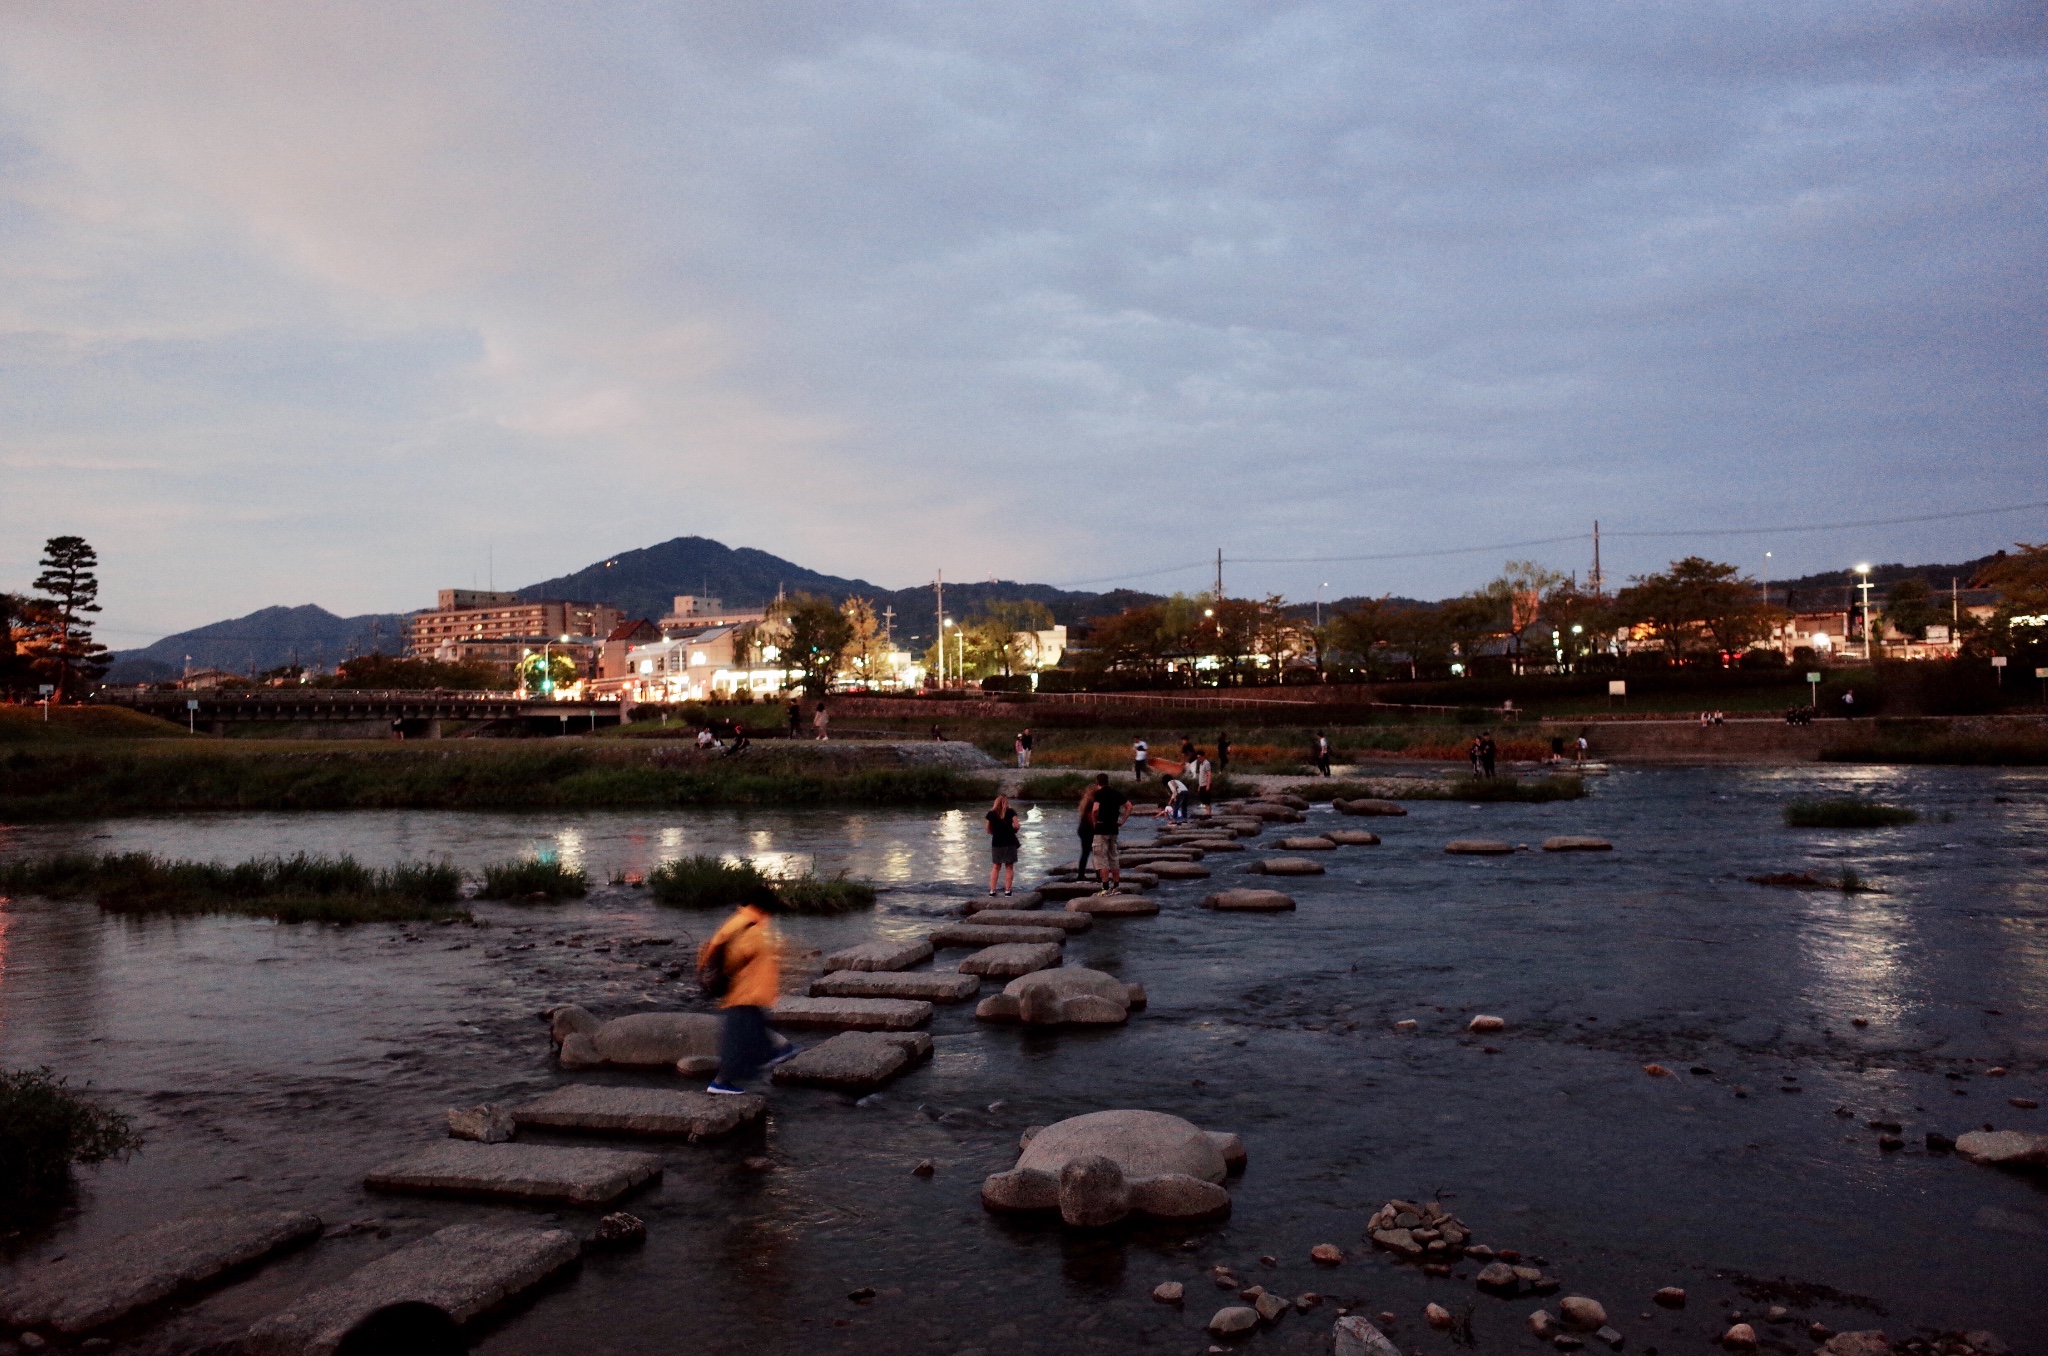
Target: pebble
[925,1168]
[1995,1071]
[1564,1341]
[1225,1281]
[1579,1312]
[862,1295]
[620,1229]
[1269,1261]
[1387,1320]
[1407,1024]
[1307,1300]
[1610,1337]
[1859,1021]
[1741,1337]
[1270,1307]
[31,1341]
[1329,1254]
[1437,1316]
[1671,1297]
[1484,1022]
[1169,1292]
[1499,1278]
[1777,1313]
[2023,1103]
[1543,1323]
[1656,1071]
[757,1164]
[1234,1320]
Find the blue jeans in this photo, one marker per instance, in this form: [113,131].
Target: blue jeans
[744,1044]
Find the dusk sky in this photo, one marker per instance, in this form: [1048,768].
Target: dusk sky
[334,303]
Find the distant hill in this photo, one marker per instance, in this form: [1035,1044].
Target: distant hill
[263,640]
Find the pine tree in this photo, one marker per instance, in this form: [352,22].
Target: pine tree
[65,652]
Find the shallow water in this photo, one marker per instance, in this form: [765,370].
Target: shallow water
[273,1062]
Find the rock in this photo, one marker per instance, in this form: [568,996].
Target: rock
[1249,901]
[1270,1307]
[2023,1103]
[1023,900]
[1576,1311]
[1544,1324]
[974,936]
[1142,1161]
[1234,1321]
[1868,1342]
[1398,1241]
[644,1040]
[1740,1337]
[1273,814]
[1065,922]
[486,1124]
[855,1060]
[619,1231]
[851,1014]
[1498,1278]
[1068,996]
[1485,1023]
[1670,1297]
[569,1020]
[1369,806]
[1356,1337]
[1315,844]
[1352,837]
[930,986]
[1610,1336]
[1329,1254]
[2004,1148]
[1408,1025]
[1564,1341]
[1179,871]
[1477,847]
[886,955]
[97,1283]
[1571,843]
[1656,1071]
[1306,1300]
[1288,866]
[517,1172]
[463,1271]
[1437,1316]
[1113,906]
[1169,1292]
[925,1168]
[1069,890]
[1986,1343]
[591,1108]
[1009,959]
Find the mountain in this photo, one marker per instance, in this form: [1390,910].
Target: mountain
[263,640]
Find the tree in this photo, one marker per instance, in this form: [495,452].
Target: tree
[995,630]
[866,656]
[542,672]
[2020,625]
[1518,597]
[811,635]
[389,673]
[1357,634]
[1909,608]
[21,621]
[1696,608]
[66,652]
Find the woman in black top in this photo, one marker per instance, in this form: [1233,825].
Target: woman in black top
[1002,843]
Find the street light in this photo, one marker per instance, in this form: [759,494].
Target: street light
[1864,570]
[944,624]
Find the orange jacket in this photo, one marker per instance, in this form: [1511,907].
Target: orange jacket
[753,959]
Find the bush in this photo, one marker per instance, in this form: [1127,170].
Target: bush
[1847,814]
[808,894]
[299,889]
[517,880]
[712,882]
[44,1130]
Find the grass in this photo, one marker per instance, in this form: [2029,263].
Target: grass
[523,880]
[76,783]
[1847,814]
[81,724]
[298,889]
[713,882]
[44,1130]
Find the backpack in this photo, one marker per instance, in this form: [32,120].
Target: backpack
[712,979]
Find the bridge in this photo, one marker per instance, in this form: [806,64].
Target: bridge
[408,715]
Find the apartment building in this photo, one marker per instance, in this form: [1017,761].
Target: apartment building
[496,627]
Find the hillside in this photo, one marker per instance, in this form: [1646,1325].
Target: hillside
[263,640]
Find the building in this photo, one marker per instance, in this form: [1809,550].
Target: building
[696,612]
[1031,651]
[474,626]
[611,655]
[705,665]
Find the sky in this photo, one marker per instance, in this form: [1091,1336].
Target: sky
[344,303]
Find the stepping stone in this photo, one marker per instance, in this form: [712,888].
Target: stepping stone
[1289,866]
[980,935]
[1573,843]
[640,1111]
[1219,845]
[899,955]
[933,986]
[518,1172]
[1133,856]
[1065,890]
[1370,807]
[1352,837]
[1010,959]
[1478,847]
[1180,871]
[464,1270]
[852,1014]
[1143,878]
[2004,1148]
[99,1283]
[856,1060]
[1066,922]
[1316,844]
[1023,899]
[1113,906]
[1249,901]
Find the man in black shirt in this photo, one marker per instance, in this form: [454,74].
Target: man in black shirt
[1111,809]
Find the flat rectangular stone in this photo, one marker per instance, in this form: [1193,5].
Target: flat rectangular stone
[1113,906]
[852,1014]
[518,1172]
[934,986]
[975,934]
[1010,959]
[100,1283]
[857,1060]
[464,1270]
[1022,899]
[1065,922]
[640,1111]
[880,956]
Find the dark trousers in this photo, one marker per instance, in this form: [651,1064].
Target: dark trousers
[744,1044]
[1087,849]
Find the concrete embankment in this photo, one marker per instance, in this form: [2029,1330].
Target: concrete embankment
[1753,740]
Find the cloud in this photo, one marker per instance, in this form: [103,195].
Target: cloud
[338,301]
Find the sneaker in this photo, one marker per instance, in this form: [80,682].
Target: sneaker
[1006,894]
[720,1089]
[782,1056]
[991,894]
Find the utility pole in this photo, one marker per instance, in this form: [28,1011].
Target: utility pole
[1219,574]
[1598,580]
[888,625]
[939,625]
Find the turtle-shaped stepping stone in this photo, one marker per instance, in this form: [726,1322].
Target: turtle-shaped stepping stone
[1098,1168]
[1070,996]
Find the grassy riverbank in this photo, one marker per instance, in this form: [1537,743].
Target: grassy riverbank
[152,778]
[299,889]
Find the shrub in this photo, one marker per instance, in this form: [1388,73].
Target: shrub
[298,889]
[1512,789]
[1847,814]
[44,1129]
[808,894]
[712,882]
[518,880]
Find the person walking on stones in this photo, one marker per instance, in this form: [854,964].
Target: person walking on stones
[1223,750]
[1112,807]
[1086,830]
[1205,780]
[1141,756]
[1556,750]
[1322,753]
[1472,755]
[1176,807]
[741,966]
[1582,749]
[821,722]
[1003,840]
[1488,751]
[1024,747]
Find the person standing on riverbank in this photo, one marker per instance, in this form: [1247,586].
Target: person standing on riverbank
[1086,830]
[821,723]
[1323,753]
[796,717]
[1112,807]
[1205,780]
[1024,747]
[1141,756]
[1003,840]
[742,967]
[1488,751]
[1223,750]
